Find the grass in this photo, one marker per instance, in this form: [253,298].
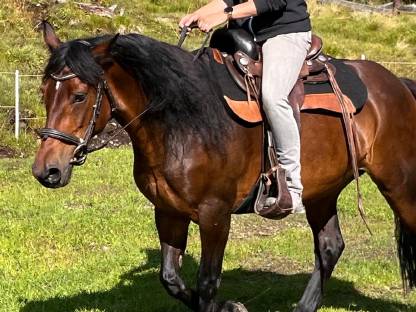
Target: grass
[92,246]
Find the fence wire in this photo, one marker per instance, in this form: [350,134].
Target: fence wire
[30,107]
[32,112]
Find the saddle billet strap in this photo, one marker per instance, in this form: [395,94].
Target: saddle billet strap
[350,130]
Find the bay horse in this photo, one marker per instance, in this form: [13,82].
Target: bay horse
[194,163]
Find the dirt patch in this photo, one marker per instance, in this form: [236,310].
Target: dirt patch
[249,226]
[7,152]
[113,134]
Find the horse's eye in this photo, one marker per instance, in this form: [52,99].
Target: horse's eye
[79,97]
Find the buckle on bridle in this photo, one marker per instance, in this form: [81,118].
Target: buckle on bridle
[80,154]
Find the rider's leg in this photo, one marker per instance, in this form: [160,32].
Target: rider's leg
[283,57]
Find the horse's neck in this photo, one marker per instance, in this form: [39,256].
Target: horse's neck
[131,104]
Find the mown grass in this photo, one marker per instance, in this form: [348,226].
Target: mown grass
[92,246]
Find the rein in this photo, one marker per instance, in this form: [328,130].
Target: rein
[184,34]
[82,148]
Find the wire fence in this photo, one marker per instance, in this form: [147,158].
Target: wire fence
[383,8]
[20,99]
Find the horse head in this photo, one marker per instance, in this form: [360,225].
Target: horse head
[76,98]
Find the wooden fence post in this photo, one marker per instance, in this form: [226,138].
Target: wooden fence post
[396,5]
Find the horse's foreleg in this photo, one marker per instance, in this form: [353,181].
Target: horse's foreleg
[328,248]
[214,230]
[214,225]
[173,232]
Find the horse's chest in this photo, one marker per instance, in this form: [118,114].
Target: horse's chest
[159,191]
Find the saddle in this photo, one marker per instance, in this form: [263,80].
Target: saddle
[241,55]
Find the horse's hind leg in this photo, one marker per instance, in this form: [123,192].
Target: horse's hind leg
[329,245]
[173,232]
[396,180]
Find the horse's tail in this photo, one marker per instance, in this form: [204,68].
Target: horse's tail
[406,250]
[410,84]
[405,238]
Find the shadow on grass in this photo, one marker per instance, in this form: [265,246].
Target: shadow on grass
[260,291]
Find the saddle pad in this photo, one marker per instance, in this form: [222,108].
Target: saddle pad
[348,81]
[317,95]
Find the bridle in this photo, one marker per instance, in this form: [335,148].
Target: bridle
[82,148]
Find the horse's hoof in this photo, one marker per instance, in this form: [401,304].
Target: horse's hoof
[230,306]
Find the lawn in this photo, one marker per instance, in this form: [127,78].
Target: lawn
[92,246]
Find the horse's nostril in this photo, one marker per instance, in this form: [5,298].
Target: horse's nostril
[53,175]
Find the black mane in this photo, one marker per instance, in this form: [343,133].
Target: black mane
[184,98]
[77,56]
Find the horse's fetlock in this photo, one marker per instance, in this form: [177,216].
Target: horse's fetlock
[168,276]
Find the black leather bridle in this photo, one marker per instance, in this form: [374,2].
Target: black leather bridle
[82,149]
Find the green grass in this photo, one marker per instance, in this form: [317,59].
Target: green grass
[92,246]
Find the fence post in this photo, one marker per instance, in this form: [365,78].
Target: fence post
[16,109]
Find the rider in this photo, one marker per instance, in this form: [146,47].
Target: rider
[285,29]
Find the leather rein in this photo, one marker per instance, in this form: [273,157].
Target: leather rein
[82,145]
[184,33]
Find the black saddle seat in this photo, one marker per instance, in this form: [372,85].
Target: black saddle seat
[231,40]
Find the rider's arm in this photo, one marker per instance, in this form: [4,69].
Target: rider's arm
[245,9]
[263,6]
[255,7]
[212,7]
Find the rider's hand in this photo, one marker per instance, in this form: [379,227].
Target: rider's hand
[208,22]
[188,19]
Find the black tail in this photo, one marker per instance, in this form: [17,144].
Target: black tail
[411,84]
[406,250]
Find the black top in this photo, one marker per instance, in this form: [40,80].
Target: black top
[276,17]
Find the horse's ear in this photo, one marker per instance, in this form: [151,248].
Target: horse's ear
[49,36]
[102,51]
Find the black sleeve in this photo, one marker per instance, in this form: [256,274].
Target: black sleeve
[264,6]
[230,2]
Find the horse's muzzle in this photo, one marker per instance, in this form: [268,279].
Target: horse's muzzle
[52,176]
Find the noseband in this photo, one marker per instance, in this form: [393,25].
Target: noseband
[82,149]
